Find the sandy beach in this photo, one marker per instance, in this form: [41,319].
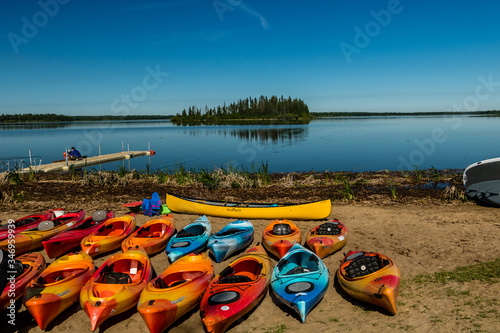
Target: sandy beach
[420,238]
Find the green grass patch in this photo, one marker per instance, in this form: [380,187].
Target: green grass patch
[278,329]
[484,272]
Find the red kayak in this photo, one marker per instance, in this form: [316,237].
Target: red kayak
[31,240]
[26,223]
[66,241]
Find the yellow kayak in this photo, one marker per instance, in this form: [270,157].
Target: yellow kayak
[175,291]
[109,236]
[152,236]
[32,265]
[57,287]
[316,210]
[116,286]
[370,277]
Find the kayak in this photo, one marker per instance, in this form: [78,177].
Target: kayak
[192,238]
[152,235]
[116,286]
[175,292]
[33,264]
[25,223]
[134,206]
[316,210]
[57,287]
[27,241]
[70,239]
[300,280]
[370,277]
[233,237]
[236,290]
[327,238]
[109,236]
[279,236]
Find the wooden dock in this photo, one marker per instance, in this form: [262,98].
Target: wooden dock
[88,161]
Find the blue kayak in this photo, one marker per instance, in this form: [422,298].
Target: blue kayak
[299,280]
[192,238]
[234,236]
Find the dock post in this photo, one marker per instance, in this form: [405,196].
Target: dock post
[66,153]
[123,147]
[29,152]
[99,149]
[128,148]
[149,156]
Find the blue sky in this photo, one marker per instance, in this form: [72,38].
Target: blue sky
[158,57]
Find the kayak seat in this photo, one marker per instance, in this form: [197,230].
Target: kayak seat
[155,234]
[27,221]
[234,279]
[362,266]
[192,275]
[116,278]
[297,270]
[329,228]
[282,229]
[228,232]
[116,233]
[143,230]
[184,233]
[164,285]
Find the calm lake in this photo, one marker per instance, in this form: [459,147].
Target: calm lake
[334,144]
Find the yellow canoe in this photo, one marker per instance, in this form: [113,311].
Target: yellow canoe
[316,210]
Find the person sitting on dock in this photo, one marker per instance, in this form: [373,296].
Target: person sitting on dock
[74,154]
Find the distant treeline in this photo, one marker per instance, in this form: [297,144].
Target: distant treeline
[52,117]
[273,108]
[389,114]
[249,108]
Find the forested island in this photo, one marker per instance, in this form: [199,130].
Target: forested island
[250,108]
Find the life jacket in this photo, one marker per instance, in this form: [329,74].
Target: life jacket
[151,206]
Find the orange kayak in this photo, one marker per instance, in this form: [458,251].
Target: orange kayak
[33,265]
[109,236]
[116,286]
[153,235]
[236,290]
[327,238]
[370,277]
[57,287]
[175,291]
[279,236]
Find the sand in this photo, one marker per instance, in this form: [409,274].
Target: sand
[420,238]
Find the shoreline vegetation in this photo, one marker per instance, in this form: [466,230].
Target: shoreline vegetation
[230,184]
[247,111]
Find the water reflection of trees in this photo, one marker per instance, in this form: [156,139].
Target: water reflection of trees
[273,135]
[263,135]
[29,126]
